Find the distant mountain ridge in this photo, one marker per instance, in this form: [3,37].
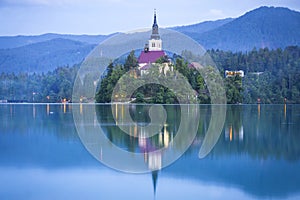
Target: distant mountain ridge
[262,27]
[43,56]
[202,27]
[8,42]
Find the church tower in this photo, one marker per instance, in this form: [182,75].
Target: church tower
[155,43]
[152,50]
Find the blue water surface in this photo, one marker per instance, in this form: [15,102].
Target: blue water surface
[256,156]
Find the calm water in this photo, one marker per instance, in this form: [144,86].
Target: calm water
[256,156]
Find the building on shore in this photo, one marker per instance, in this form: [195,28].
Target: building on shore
[229,73]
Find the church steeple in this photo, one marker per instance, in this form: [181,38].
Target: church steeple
[155,22]
[155,43]
[155,34]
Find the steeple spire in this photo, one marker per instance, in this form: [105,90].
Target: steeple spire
[155,34]
[155,22]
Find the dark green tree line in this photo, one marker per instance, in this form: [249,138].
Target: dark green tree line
[270,75]
[50,87]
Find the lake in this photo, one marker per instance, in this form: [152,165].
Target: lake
[67,151]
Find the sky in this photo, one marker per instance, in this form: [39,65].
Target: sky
[34,17]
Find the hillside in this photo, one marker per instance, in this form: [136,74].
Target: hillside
[8,42]
[263,27]
[43,56]
[202,27]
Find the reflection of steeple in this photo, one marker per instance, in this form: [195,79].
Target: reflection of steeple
[154,180]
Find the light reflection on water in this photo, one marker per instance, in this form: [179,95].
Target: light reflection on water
[257,156]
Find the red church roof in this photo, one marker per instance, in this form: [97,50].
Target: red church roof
[150,56]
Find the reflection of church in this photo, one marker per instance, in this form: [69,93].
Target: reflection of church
[148,146]
[153,51]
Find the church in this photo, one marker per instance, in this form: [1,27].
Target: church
[153,51]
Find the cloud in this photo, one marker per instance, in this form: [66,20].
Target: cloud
[216,12]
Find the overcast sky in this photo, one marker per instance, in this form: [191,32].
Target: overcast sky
[32,17]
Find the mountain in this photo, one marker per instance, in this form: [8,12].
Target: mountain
[263,27]
[201,27]
[8,42]
[43,56]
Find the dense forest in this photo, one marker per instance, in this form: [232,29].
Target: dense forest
[150,93]
[55,86]
[270,75]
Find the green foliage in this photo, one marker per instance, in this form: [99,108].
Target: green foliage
[51,87]
[234,90]
[139,98]
[131,61]
[270,75]
[114,73]
[153,93]
[162,59]
[108,83]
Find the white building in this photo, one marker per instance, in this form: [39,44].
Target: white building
[229,73]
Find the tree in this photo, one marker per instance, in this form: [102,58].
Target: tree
[130,62]
[139,98]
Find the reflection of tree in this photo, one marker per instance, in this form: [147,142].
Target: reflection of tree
[40,119]
[234,122]
[268,136]
[139,114]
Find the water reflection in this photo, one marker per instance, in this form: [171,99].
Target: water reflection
[256,156]
[135,150]
[137,140]
[258,142]
[269,132]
